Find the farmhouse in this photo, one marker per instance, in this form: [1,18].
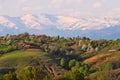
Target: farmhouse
[27,45]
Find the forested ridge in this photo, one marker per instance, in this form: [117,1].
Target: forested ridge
[41,57]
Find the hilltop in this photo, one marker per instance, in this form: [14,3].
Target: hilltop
[60,58]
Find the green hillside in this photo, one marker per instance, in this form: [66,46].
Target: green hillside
[41,57]
[20,58]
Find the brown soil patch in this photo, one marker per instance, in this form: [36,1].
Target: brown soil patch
[96,57]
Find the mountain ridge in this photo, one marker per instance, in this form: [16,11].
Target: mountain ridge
[60,25]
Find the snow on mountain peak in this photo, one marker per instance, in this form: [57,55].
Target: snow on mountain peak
[86,24]
[31,22]
[44,19]
[61,25]
[66,23]
[4,21]
[41,21]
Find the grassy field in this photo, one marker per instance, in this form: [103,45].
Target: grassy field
[3,46]
[22,58]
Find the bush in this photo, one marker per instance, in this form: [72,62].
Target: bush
[62,62]
[72,63]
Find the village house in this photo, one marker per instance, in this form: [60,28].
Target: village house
[27,45]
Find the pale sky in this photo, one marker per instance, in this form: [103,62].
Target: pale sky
[74,8]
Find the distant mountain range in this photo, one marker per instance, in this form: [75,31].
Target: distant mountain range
[96,28]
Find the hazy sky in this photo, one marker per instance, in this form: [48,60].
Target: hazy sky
[74,8]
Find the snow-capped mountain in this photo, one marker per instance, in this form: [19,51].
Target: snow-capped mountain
[105,27]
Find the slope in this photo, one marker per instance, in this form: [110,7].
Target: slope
[20,59]
[99,60]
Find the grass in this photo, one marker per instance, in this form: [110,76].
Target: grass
[21,58]
[3,46]
[101,74]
